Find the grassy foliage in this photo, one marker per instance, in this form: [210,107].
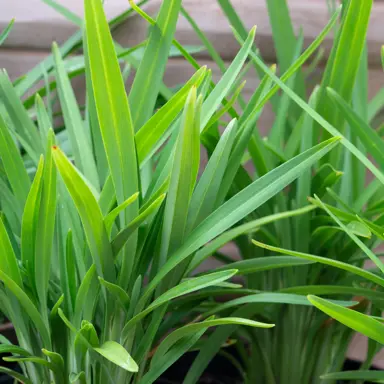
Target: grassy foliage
[104,221]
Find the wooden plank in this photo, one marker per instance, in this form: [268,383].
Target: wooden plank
[18,62]
[38,25]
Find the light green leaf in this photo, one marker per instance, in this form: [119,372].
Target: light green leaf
[188,329]
[118,355]
[88,331]
[111,217]
[4,34]
[326,177]
[304,182]
[16,375]
[30,222]
[183,288]
[357,241]
[91,119]
[341,71]
[90,214]
[284,36]
[157,126]
[43,119]
[28,306]
[35,360]
[246,228]
[205,193]
[146,84]
[77,378]
[222,111]
[14,349]
[353,319]
[55,358]
[185,166]
[182,347]
[298,63]
[268,298]
[359,229]
[334,290]
[354,375]
[21,122]
[83,294]
[368,136]
[323,260]
[56,307]
[240,205]
[68,276]
[13,164]
[111,104]
[74,124]
[265,263]
[45,227]
[215,98]
[122,237]
[8,261]
[115,121]
[12,210]
[319,119]
[117,292]
[382,56]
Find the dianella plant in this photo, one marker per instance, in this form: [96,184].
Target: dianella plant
[329,217]
[104,220]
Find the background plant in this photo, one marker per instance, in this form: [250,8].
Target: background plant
[307,343]
[370,287]
[99,244]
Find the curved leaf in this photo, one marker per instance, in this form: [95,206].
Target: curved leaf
[186,330]
[14,349]
[74,124]
[183,288]
[118,355]
[45,227]
[16,375]
[122,237]
[246,228]
[352,319]
[153,130]
[267,298]
[4,34]
[28,306]
[354,375]
[335,263]
[30,221]
[357,241]
[8,261]
[90,214]
[146,85]
[13,164]
[117,292]
[240,205]
[266,263]
[111,217]
[334,290]
[215,98]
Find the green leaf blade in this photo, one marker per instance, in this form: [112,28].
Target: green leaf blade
[90,214]
[118,355]
[355,320]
